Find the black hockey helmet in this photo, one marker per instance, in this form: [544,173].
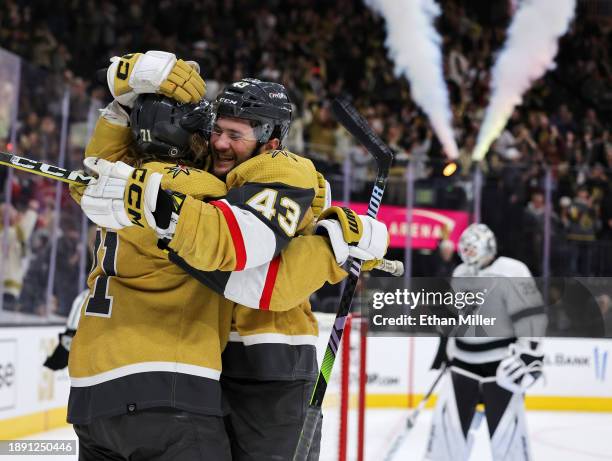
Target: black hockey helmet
[199,119]
[157,128]
[266,104]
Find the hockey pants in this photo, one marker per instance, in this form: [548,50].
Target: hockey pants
[265,418]
[157,434]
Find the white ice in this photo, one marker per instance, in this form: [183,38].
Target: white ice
[559,436]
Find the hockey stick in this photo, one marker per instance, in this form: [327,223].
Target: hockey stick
[348,116]
[395,268]
[44,169]
[399,440]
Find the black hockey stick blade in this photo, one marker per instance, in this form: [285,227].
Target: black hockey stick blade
[355,124]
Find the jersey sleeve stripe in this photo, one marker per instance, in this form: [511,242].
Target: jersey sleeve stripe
[266,295]
[245,287]
[235,232]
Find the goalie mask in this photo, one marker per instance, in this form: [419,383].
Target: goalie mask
[157,128]
[265,104]
[477,245]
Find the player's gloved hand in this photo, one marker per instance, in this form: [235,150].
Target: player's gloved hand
[521,368]
[154,72]
[59,358]
[360,237]
[76,192]
[121,196]
[322,199]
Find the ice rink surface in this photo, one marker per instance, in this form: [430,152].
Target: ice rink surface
[558,436]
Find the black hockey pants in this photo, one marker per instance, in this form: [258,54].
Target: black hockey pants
[265,418]
[157,434]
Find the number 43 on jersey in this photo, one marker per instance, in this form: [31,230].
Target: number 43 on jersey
[264,202]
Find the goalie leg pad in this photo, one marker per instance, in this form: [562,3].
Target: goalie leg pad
[449,437]
[505,412]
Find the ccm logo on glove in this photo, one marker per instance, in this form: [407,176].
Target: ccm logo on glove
[134,194]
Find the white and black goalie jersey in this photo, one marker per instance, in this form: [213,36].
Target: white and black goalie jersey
[512,298]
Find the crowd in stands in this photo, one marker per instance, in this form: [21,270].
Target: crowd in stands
[319,50]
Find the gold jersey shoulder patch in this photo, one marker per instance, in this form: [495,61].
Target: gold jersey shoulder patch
[284,152]
[275,166]
[188,180]
[177,169]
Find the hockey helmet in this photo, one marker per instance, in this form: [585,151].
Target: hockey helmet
[477,245]
[266,104]
[157,128]
[199,119]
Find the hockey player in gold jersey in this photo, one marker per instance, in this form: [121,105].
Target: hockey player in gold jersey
[103,384]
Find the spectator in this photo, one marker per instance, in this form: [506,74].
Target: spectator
[581,231]
[361,164]
[16,236]
[446,259]
[598,184]
[321,133]
[533,226]
[67,271]
[322,50]
[34,300]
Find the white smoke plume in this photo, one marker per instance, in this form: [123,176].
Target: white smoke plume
[529,51]
[415,47]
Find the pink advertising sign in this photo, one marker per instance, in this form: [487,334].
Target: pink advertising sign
[429,225]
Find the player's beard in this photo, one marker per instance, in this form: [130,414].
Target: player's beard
[223,163]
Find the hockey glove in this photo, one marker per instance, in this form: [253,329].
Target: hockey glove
[154,72]
[322,200]
[521,368]
[360,237]
[121,196]
[58,360]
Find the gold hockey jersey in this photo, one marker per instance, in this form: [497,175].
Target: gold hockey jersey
[151,335]
[268,202]
[145,338]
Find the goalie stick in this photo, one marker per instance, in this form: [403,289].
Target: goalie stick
[399,440]
[79,178]
[355,124]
